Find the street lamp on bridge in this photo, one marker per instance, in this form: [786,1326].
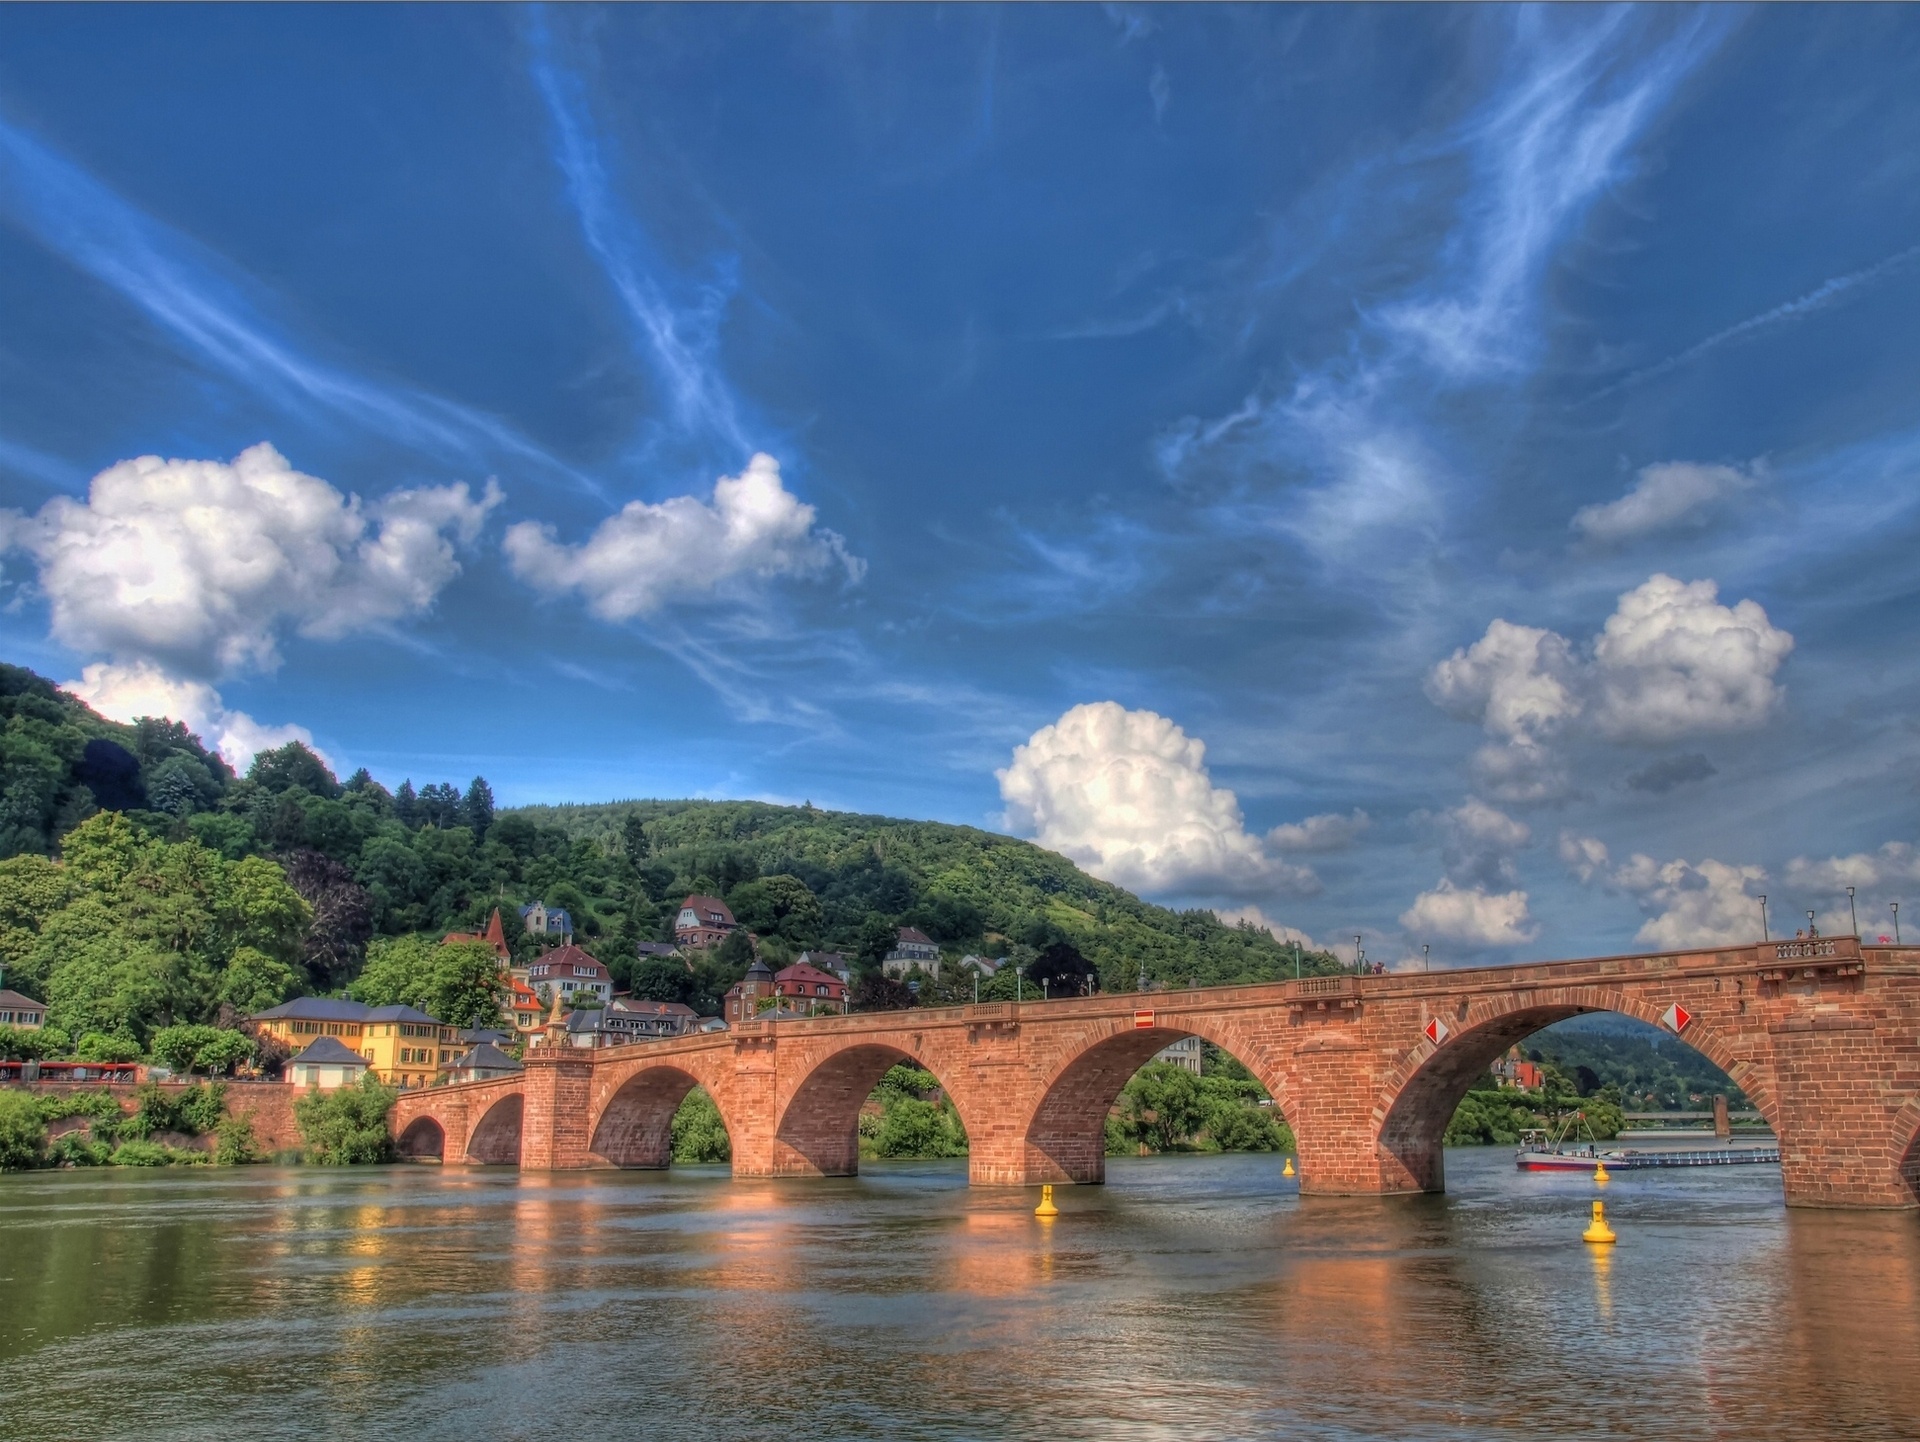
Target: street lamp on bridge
[1896,921]
[1763,918]
[1853,915]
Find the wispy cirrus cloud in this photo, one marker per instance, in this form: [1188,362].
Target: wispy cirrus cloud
[220,317]
[677,335]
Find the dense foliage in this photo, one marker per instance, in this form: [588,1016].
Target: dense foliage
[1491,1114]
[111,1138]
[347,1126]
[129,934]
[60,761]
[1166,1108]
[699,1135]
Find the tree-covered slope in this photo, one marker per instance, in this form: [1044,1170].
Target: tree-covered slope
[962,886]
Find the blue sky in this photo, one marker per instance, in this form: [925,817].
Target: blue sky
[1446,475]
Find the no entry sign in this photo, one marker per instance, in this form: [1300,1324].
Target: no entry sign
[1676,1017]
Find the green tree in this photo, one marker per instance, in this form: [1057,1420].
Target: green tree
[699,1134]
[99,1046]
[661,978]
[290,766]
[347,1126]
[23,1135]
[736,952]
[1164,1105]
[478,807]
[459,983]
[254,981]
[633,840]
[913,1128]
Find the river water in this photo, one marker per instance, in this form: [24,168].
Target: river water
[1190,1297]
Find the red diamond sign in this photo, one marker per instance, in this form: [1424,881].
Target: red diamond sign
[1676,1017]
[1437,1031]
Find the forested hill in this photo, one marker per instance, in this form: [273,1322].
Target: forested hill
[961,885]
[149,925]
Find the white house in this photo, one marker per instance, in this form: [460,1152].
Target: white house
[912,949]
[571,972]
[326,1063]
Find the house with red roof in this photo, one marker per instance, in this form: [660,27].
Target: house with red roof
[567,971]
[801,988]
[703,921]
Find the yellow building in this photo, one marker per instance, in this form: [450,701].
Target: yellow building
[402,1046]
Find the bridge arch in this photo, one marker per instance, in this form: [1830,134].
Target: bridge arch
[423,1140]
[495,1138]
[818,1129]
[1419,1095]
[1066,1135]
[635,1126]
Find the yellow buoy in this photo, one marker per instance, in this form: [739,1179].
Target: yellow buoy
[1046,1207]
[1601,1174]
[1289,1169]
[1598,1230]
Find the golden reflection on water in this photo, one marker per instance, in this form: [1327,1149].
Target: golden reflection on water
[1602,1262]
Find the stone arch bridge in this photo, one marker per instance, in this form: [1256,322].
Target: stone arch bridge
[1822,1035]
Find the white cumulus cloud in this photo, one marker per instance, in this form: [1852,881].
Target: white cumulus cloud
[1330,831]
[1671,661]
[128,692]
[199,564]
[651,555]
[1695,903]
[1661,497]
[1127,795]
[1471,915]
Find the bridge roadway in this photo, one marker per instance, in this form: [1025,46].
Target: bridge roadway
[1823,1036]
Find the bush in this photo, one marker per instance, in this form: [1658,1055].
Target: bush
[347,1126]
[235,1144]
[699,1135]
[78,1149]
[23,1133]
[913,1128]
[140,1154]
[1232,1126]
[100,1105]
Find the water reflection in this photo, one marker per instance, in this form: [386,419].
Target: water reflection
[1191,1297]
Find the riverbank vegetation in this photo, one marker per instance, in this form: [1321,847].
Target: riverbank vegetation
[158,1132]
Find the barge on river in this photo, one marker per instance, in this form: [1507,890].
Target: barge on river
[1543,1158]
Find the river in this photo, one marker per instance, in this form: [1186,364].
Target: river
[1190,1297]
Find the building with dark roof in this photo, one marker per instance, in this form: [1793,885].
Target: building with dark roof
[486,1062]
[402,1045]
[744,996]
[540,920]
[327,1063]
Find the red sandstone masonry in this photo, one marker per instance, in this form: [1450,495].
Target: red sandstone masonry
[268,1105]
[1824,1037]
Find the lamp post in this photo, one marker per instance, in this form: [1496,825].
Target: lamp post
[1020,982]
[1356,954]
[1812,930]
[1426,963]
[1296,945]
[976,988]
[1896,922]
[1853,915]
[1763,918]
